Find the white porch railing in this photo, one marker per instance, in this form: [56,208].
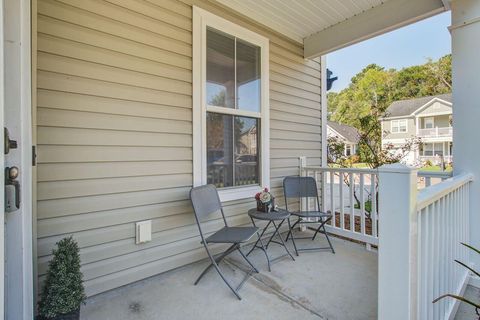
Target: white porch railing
[419,239]
[443,220]
[435,132]
[351,195]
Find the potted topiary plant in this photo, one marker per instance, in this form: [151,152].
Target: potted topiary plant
[63,291]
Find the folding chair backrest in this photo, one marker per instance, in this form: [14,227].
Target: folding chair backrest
[205,201]
[300,187]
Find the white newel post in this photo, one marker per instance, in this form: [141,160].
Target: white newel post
[465,32]
[397,249]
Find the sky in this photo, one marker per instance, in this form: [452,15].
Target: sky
[410,45]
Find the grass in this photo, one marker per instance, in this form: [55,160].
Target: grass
[435,168]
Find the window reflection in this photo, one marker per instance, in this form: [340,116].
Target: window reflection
[220,69]
[232,150]
[248,76]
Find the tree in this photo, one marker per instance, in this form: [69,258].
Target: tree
[373,89]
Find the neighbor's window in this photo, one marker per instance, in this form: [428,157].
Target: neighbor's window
[233,104]
[429,123]
[348,150]
[399,126]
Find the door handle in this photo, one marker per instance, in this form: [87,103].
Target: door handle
[12,189]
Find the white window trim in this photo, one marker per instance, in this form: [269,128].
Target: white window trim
[202,19]
[398,126]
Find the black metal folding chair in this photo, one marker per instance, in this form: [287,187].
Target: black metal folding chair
[305,188]
[205,201]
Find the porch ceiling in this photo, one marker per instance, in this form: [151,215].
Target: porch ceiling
[327,25]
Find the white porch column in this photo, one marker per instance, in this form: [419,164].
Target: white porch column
[465,31]
[397,248]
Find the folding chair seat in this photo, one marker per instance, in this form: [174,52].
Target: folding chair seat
[305,188]
[232,235]
[205,202]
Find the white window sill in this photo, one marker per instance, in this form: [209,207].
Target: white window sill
[230,194]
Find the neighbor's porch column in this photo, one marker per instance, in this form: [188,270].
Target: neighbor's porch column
[465,31]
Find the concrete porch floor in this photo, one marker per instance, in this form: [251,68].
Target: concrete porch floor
[318,285]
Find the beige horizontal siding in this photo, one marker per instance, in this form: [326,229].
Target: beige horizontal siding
[114,131]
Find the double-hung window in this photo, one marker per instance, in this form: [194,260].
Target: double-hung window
[230,107]
[399,126]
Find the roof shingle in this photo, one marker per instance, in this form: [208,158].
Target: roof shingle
[351,134]
[407,107]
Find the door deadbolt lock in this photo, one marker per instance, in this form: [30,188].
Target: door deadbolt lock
[8,144]
[12,189]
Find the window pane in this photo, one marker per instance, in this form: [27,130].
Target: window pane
[246,151]
[248,76]
[219,150]
[232,150]
[438,149]
[428,149]
[220,69]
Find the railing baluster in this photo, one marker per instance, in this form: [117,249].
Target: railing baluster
[373,210]
[340,188]
[352,204]
[332,197]
[362,203]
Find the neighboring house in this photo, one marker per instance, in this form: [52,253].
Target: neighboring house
[346,134]
[428,118]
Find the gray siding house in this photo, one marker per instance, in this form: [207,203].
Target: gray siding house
[427,118]
[344,133]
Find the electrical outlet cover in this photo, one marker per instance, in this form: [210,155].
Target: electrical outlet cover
[143,231]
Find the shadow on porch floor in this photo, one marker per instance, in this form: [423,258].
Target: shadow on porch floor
[318,285]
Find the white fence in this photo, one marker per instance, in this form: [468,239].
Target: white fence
[443,222]
[351,195]
[420,238]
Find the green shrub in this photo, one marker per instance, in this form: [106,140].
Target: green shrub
[63,291]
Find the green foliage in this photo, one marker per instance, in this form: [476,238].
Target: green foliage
[63,291]
[476,304]
[370,93]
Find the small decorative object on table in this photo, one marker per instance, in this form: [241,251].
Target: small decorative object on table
[265,201]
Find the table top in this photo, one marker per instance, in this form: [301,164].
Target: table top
[280,214]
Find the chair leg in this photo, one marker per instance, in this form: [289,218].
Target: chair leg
[322,227]
[248,261]
[215,261]
[290,233]
[322,224]
[277,228]
[328,239]
[226,282]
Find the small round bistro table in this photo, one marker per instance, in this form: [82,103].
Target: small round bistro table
[275,218]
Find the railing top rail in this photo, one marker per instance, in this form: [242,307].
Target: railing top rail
[435,174]
[347,170]
[433,193]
